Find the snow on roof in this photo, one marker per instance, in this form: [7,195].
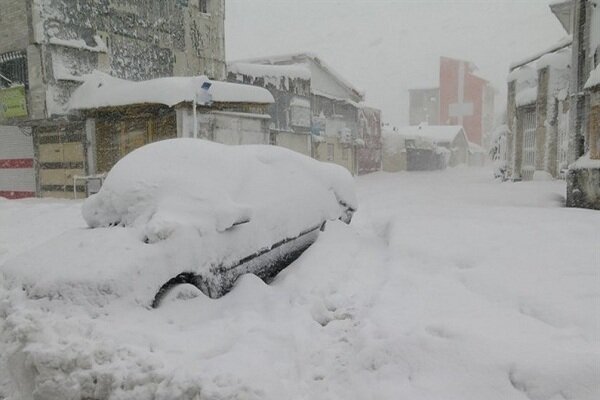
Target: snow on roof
[263,70]
[594,79]
[437,133]
[302,58]
[561,44]
[526,96]
[102,90]
[557,60]
[524,74]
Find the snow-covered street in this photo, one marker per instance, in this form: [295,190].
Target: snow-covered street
[447,285]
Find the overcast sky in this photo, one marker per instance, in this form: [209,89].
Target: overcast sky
[386,47]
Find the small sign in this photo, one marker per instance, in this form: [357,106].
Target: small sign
[13,103]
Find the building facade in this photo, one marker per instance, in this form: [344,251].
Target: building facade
[466,99]
[48,46]
[315,105]
[539,114]
[424,106]
[554,108]
[462,99]
[583,176]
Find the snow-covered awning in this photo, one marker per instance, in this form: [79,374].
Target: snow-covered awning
[101,90]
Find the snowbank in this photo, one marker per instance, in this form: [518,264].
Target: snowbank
[447,285]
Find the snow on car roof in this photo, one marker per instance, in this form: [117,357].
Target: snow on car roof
[102,90]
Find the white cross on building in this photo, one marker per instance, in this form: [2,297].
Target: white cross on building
[460,109]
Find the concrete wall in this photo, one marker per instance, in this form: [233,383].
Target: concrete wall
[133,39]
[324,83]
[14,28]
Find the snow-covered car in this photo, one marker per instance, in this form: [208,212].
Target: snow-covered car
[188,211]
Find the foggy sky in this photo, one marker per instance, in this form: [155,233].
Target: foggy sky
[386,47]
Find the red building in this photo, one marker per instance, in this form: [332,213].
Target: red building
[463,98]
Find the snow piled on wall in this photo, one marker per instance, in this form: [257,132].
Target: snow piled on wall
[446,286]
[526,96]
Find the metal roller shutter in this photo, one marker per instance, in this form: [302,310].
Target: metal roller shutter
[17,175]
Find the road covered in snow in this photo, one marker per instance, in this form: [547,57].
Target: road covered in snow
[447,285]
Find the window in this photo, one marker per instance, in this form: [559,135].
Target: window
[330,152]
[203,6]
[13,69]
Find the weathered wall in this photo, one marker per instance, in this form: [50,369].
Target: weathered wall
[133,39]
[14,29]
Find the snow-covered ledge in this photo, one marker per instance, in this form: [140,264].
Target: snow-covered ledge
[583,183]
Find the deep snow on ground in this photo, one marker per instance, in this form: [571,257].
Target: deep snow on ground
[447,285]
